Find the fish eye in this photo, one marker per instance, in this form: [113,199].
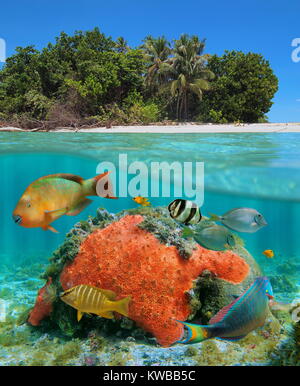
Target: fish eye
[28,205]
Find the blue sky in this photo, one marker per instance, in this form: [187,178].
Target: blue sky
[261,26]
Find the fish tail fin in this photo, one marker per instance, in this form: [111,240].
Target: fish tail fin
[214,217]
[187,232]
[121,306]
[100,185]
[195,333]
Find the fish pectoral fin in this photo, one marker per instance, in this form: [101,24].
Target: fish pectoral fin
[79,315]
[56,211]
[107,315]
[79,207]
[49,228]
[52,215]
[111,295]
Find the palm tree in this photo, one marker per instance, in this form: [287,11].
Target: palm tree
[188,69]
[157,51]
[121,45]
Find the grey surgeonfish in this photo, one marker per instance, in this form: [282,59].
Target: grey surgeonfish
[215,237]
[246,220]
[185,211]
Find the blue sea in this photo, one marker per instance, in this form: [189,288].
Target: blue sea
[259,171]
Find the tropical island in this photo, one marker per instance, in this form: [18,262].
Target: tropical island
[90,80]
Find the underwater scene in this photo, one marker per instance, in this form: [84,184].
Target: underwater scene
[149,249]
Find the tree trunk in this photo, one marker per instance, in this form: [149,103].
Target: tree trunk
[178,106]
[185,106]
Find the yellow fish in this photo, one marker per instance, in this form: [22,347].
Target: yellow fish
[268,253]
[141,201]
[93,300]
[50,197]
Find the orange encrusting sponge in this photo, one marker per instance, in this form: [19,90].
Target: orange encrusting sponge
[43,307]
[131,261]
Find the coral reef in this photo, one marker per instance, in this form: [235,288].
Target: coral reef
[287,353]
[131,261]
[140,253]
[120,343]
[282,283]
[43,306]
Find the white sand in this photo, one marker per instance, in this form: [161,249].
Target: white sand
[184,128]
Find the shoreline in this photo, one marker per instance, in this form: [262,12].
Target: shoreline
[183,128]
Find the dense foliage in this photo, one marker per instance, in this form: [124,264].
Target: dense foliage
[242,90]
[90,78]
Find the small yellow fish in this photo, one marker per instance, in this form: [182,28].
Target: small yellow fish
[268,253]
[141,201]
[93,300]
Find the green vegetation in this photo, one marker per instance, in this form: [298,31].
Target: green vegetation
[90,79]
[243,88]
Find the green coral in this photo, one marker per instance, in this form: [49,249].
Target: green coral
[282,283]
[119,359]
[158,222]
[39,358]
[14,337]
[6,293]
[65,353]
[23,316]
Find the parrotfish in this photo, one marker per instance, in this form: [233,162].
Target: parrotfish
[268,253]
[246,220]
[185,211]
[246,313]
[92,300]
[141,201]
[214,237]
[50,197]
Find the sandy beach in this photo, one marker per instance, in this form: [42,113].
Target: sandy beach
[181,128]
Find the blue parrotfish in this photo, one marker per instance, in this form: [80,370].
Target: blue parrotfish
[233,322]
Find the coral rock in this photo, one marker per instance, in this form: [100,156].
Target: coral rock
[131,261]
[43,306]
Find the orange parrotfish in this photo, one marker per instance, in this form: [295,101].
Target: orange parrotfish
[50,197]
[246,313]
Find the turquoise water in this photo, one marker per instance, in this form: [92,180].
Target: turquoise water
[255,170]
[241,170]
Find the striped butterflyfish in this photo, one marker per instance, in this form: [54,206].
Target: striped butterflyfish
[185,211]
[92,300]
